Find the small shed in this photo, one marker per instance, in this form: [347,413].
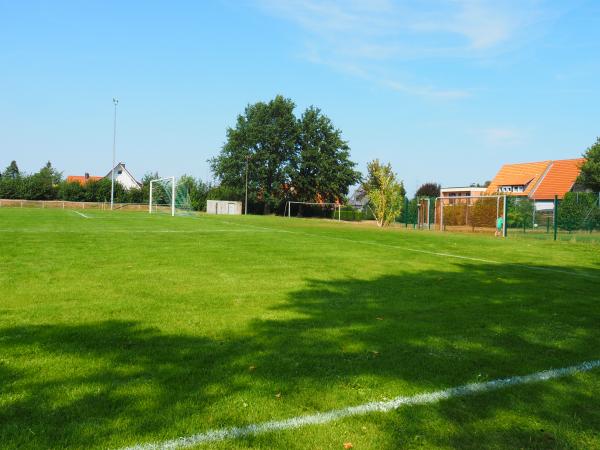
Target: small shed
[223,207]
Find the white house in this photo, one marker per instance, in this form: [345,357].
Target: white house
[124,177]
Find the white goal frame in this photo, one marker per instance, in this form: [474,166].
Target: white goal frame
[172,179]
[337,206]
[499,213]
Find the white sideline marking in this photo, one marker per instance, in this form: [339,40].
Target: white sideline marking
[427,252]
[81,214]
[336,414]
[109,231]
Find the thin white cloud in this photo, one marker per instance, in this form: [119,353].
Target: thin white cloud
[502,137]
[369,36]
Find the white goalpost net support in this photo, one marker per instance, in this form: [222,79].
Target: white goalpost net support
[160,182]
[166,195]
[337,208]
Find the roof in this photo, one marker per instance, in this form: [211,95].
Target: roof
[559,179]
[463,189]
[122,166]
[517,175]
[82,179]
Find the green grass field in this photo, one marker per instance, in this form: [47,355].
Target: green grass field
[126,328]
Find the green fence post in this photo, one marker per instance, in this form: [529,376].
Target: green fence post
[505,217]
[555,216]
[548,225]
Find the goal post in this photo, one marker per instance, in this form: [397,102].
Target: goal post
[167,183]
[336,208]
[167,195]
[470,213]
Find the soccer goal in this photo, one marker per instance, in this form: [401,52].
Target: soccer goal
[313,209]
[470,213]
[169,196]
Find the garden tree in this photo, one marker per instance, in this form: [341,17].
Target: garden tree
[590,170]
[99,191]
[428,190]
[372,181]
[385,193]
[11,182]
[322,170]
[264,137]
[197,190]
[42,185]
[12,171]
[520,212]
[71,191]
[579,210]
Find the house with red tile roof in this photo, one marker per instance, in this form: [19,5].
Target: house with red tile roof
[121,174]
[82,179]
[539,181]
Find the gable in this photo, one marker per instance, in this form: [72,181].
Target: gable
[524,174]
[559,179]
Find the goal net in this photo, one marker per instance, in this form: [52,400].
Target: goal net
[313,209]
[469,213]
[169,196]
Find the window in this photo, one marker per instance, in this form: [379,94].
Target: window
[119,172]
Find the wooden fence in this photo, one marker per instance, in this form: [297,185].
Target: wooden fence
[60,204]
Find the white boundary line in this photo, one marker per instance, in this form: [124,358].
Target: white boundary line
[427,252]
[366,408]
[109,231]
[81,214]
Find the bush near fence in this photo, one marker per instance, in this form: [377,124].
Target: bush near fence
[579,211]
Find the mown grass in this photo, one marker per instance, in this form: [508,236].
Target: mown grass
[128,328]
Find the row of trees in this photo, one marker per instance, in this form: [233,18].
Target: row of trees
[48,184]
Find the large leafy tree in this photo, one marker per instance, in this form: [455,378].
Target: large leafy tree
[590,170]
[322,167]
[385,192]
[264,137]
[428,190]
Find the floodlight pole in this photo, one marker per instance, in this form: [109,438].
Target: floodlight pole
[112,172]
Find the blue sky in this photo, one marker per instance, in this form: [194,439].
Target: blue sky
[446,91]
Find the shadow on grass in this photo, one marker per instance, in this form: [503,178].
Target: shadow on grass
[350,340]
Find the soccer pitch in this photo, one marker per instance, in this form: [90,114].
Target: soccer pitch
[123,329]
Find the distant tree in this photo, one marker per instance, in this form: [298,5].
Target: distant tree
[12,170]
[43,185]
[99,191]
[322,170]
[589,176]
[479,185]
[372,180]
[197,190]
[428,190]
[11,182]
[520,212]
[71,191]
[265,137]
[385,192]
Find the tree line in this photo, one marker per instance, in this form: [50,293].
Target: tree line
[48,184]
